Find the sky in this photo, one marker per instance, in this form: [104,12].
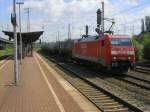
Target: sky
[53,16]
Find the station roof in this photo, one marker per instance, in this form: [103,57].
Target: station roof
[5,41]
[27,37]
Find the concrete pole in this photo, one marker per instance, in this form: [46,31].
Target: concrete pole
[124,29]
[58,37]
[133,30]
[28,19]
[103,24]
[20,3]
[69,32]
[15,46]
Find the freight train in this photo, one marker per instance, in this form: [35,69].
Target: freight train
[113,52]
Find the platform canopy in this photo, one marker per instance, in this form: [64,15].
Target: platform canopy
[27,37]
[5,41]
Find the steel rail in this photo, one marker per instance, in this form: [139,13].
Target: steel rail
[142,70]
[107,93]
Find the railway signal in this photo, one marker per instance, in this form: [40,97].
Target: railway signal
[13,19]
[101,22]
[87,30]
[99,18]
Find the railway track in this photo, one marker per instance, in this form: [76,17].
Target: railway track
[142,83]
[2,61]
[102,98]
[4,57]
[139,93]
[136,85]
[137,78]
[143,69]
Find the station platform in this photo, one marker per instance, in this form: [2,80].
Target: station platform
[40,89]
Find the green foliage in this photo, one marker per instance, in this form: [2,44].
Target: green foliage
[37,46]
[146,39]
[146,52]
[7,51]
[142,46]
[138,49]
[146,43]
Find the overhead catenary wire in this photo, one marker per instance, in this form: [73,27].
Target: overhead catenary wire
[131,8]
[118,13]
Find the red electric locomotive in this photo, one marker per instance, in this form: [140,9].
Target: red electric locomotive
[110,51]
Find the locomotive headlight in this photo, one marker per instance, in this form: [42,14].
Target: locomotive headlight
[129,58]
[130,52]
[114,57]
[114,52]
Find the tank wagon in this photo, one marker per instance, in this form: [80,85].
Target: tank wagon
[114,52]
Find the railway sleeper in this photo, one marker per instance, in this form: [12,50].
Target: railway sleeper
[103,101]
[93,95]
[89,91]
[108,104]
[98,98]
[97,94]
[93,92]
[113,107]
[117,110]
[85,87]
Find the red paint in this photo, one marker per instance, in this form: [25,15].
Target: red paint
[95,49]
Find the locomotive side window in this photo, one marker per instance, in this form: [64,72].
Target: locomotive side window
[120,41]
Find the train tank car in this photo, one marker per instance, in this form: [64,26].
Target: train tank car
[113,52]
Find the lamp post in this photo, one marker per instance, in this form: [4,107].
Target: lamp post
[20,3]
[15,43]
[28,19]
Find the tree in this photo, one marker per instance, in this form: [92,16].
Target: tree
[147,23]
[138,49]
[142,26]
[146,43]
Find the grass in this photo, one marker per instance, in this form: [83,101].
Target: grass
[7,51]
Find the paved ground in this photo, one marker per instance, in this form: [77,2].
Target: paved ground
[38,90]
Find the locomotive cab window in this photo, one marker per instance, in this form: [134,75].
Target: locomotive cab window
[120,41]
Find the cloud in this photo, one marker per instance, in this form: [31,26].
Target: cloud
[56,14]
[77,12]
[130,2]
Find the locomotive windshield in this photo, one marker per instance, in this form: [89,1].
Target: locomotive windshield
[120,41]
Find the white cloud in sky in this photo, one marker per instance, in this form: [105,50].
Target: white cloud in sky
[131,2]
[58,13]
[80,12]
